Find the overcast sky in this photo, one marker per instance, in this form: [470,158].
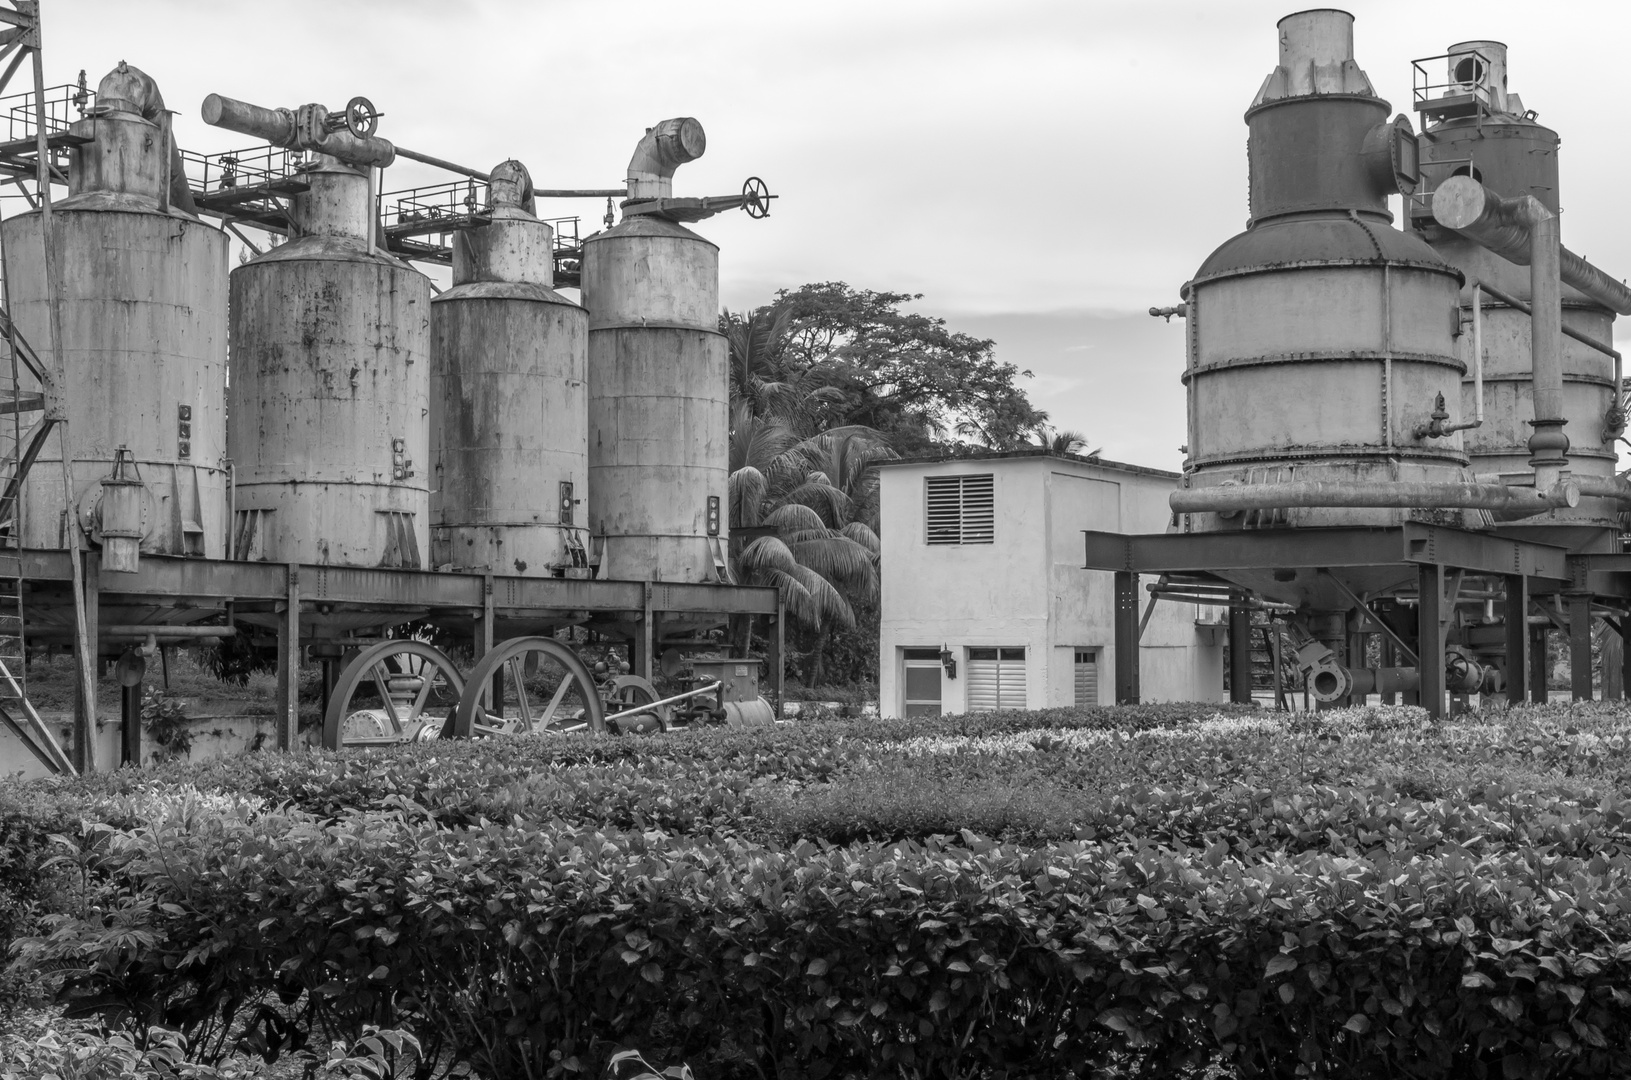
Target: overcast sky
[1042,172]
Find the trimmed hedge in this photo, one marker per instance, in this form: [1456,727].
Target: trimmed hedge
[526,950]
[1355,894]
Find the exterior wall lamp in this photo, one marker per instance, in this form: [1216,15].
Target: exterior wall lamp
[949,662]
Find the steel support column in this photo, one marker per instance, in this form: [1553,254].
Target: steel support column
[288,664]
[1430,637]
[1517,638]
[645,638]
[1579,645]
[1538,664]
[130,716]
[1625,656]
[1240,654]
[1126,638]
[776,646]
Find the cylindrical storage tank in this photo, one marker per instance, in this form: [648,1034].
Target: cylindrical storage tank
[659,427]
[1321,338]
[142,288]
[329,402]
[508,400]
[1513,155]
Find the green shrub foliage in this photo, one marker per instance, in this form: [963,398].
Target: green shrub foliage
[1359,894]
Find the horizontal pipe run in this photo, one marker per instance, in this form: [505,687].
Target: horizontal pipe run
[1568,331]
[638,709]
[157,631]
[474,174]
[580,193]
[1232,498]
[1505,226]
[1604,487]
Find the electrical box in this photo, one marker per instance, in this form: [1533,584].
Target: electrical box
[739,679]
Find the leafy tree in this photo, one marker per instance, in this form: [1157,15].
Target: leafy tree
[903,374]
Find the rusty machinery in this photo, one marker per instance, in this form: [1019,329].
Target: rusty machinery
[385,457]
[1400,436]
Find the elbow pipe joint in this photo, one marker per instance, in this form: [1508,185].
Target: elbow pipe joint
[663,149]
[510,184]
[130,89]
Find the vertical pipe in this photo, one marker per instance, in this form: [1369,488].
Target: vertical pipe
[1517,638]
[1430,638]
[1240,654]
[1126,638]
[1580,645]
[1538,664]
[1548,445]
[288,664]
[1478,353]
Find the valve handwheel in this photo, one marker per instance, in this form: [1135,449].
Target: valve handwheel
[361,118]
[756,197]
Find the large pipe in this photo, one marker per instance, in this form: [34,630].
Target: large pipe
[1233,498]
[1502,225]
[663,149]
[306,128]
[1522,230]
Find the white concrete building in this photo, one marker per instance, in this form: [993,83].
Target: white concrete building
[985,603]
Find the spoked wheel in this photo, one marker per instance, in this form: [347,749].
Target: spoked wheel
[628,692]
[528,685]
[393,692]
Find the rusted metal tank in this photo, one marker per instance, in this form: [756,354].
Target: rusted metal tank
[329,401]
[1475,126]
[144,326]
[508,400]
[1321,338]
[658,383]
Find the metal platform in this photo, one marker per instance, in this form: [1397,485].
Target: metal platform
[1428,556]
[307,603]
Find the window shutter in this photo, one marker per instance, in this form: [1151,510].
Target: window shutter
[996,679]
[1087,678]
[960,509]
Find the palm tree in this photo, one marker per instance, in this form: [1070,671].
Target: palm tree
[760,377]
[1065,442]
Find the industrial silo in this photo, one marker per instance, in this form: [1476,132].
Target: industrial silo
[1322,338]
[658,382]
[329,401]
[508,401]
[143,301]
[1475,127]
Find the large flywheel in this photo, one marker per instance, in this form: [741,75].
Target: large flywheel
[393,692]
[528,685]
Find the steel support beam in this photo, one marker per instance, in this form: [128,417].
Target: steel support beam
[1157,553]
[1430,637]
[1240,655]
[777,649]
[1517,638]
[1579,605]
[1126,638]
[130,716]
[288,662]
[1625,656]
[1538,664]
[645,639]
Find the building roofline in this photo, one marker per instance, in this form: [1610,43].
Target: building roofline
[1038,452]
